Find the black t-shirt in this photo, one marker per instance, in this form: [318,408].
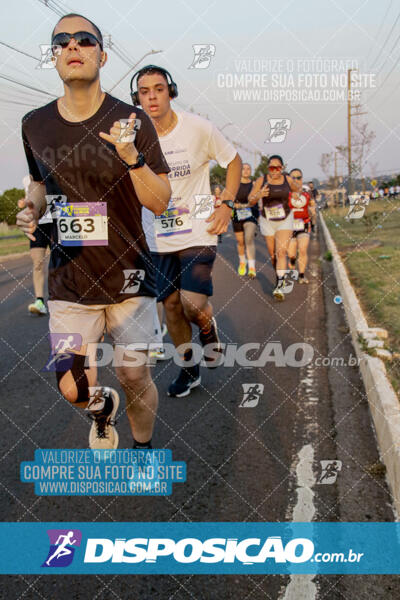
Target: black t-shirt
[278,194]
[74,162]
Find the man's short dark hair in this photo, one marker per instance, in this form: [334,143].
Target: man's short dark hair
[70,15]
[151,70]
[296,169]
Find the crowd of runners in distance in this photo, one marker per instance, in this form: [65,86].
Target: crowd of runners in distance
[112,190]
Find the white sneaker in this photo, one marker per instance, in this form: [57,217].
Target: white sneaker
[102,408]
[38,307]
[278,292]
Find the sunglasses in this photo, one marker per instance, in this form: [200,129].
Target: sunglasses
[298,177]
[275,168]
[82,38]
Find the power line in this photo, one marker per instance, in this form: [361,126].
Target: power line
[46,3]
[12,102]
[380,28]
[20,51]
[389,54]
[386,78]
[27,86]
[385,42]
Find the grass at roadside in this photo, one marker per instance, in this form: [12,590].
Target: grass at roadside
[370,250]
[6,230]
[12,240]
[6,249]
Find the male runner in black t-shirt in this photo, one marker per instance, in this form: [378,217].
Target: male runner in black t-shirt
[100,273]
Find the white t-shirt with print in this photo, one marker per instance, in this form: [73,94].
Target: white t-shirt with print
[188,149]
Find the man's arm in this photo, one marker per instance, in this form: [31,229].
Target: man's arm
[34,206]
[153,191]
[258,191]
[222,215]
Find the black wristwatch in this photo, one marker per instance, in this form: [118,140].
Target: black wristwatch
[229,203]
[139,163]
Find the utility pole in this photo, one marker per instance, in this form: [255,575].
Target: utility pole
[335,180]
[349,130]
[349,115]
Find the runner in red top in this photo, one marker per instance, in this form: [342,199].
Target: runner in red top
[300,203]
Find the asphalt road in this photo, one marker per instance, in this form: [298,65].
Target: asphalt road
[242,462]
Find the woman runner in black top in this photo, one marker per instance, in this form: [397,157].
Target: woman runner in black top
[244,222]
[276,219]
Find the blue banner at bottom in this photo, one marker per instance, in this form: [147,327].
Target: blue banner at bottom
[199,548]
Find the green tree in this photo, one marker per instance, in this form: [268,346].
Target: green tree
[9,206]
[262,168]
[217,176]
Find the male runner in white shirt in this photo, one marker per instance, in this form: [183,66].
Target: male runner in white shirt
[183,240]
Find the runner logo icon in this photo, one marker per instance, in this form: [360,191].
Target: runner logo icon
[133,279]
[62,547]
[251,394]
[49,56]
[329,471]
[204,206]
[203,54]
[60,346]
[278,130]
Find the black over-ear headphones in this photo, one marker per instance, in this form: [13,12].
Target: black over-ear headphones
[172,87]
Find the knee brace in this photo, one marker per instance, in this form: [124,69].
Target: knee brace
[69,361]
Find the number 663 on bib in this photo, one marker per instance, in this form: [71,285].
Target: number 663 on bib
[82,224]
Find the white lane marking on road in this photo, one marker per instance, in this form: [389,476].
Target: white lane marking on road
[302,587]
[305,509]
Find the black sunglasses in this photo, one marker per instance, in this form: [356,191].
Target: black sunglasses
[298,177]
[82,38]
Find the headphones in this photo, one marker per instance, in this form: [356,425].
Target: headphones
[172,87]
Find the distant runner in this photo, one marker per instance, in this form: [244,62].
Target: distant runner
[301,204]
[276,220]
[244,222]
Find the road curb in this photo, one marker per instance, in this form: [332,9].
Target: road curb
[382,399]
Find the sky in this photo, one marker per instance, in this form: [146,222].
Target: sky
[256,49]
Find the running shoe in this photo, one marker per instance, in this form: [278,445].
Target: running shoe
[252,273]
[188,378]
[158,354]
[303,280]
[278,292]
[38,307]
[102,408]
[242,269]
[211,338]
